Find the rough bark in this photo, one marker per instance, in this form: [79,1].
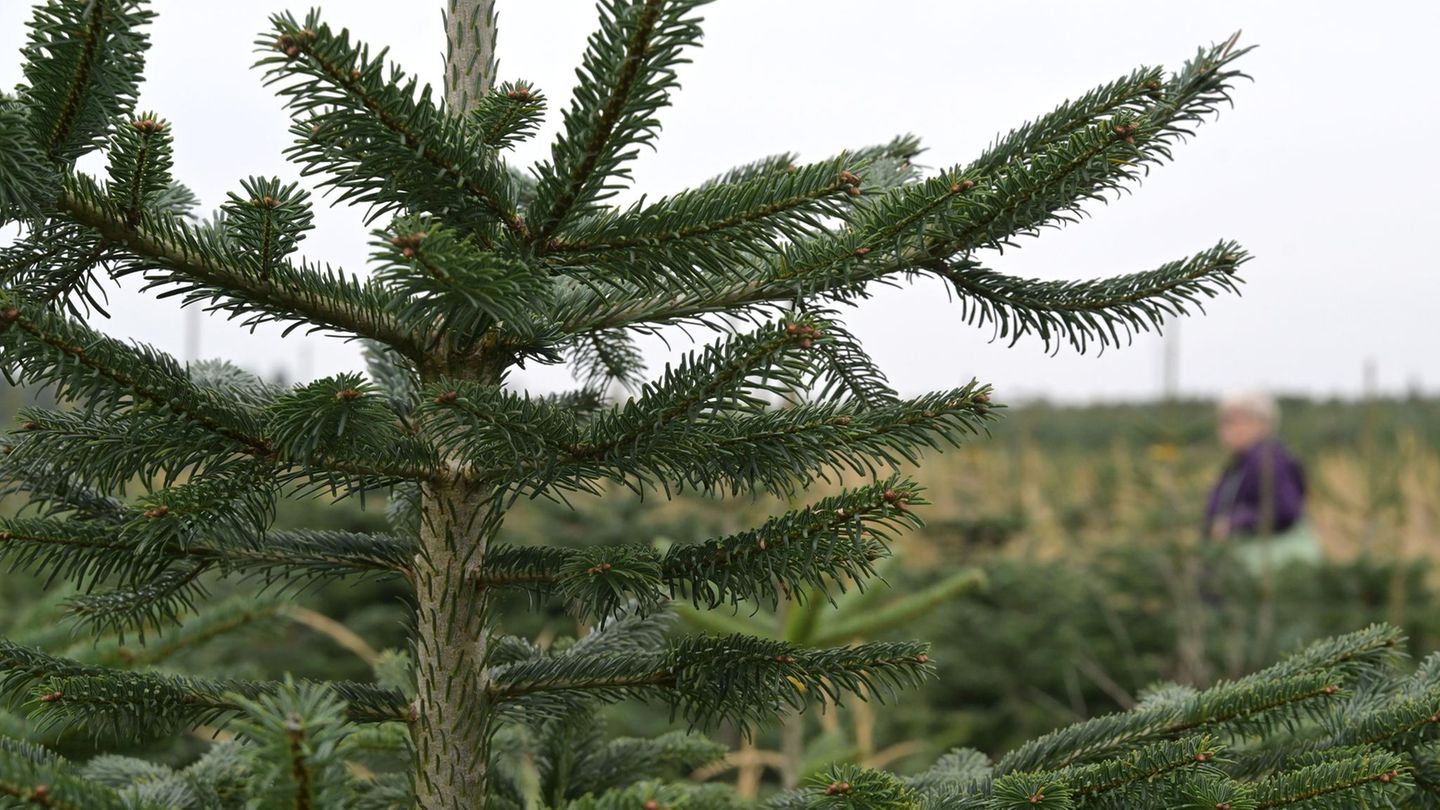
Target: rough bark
[453,711]
[469,53]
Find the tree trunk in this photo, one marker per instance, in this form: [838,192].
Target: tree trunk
[452,726]
[469,53]
[452,729]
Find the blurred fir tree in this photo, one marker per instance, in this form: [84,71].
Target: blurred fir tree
[154,478]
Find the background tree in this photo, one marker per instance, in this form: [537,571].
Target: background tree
[155,479]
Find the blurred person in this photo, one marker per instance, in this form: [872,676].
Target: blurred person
[1259,502]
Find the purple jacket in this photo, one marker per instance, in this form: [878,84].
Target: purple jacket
[1261,491]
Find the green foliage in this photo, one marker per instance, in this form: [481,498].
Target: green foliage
[1190,749]
[447,277]
[269,218]
[625,78]
[83,64]
[140,163]
[297,735]
[153,482]
[372,140]
[25,176]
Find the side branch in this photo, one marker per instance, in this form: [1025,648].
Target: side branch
[296,293]
[182,399]
[595,144]
[132,705]
[351,81]
[710,678]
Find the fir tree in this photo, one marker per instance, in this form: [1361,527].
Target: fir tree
[156,477]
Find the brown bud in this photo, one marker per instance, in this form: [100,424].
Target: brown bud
[1037,798]
[806,343]
[792,328]
[348,393]
[922,658]
[853,191]
[963,185]
[832,789]
[292,51]
[408,242]
[520,93]
[9,314]
[849,178]
[1388,776]
[1222,806]
[355,75]
[52,697]
[844,787]
[652,805]
[158,512]
[40,792]
[861,252]
[1203,756]
[447,398]
[1330,690]
[843,421]
[30,426]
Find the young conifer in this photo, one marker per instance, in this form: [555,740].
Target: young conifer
[155,477]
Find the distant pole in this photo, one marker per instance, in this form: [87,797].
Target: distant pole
[1170,362]
[192,334]
[306,361]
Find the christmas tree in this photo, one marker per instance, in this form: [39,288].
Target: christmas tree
[156,478]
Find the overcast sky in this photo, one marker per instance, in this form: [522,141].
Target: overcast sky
[1325,169]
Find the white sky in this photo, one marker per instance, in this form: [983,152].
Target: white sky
[1325,169]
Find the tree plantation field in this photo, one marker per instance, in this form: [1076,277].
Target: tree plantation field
[415,584]
[1082,524]
[1057,572]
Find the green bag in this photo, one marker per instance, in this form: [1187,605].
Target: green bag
[1298,545]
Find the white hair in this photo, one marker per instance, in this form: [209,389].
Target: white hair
[1253,403]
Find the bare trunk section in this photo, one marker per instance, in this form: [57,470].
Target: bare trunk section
[452,725]
[469,53]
